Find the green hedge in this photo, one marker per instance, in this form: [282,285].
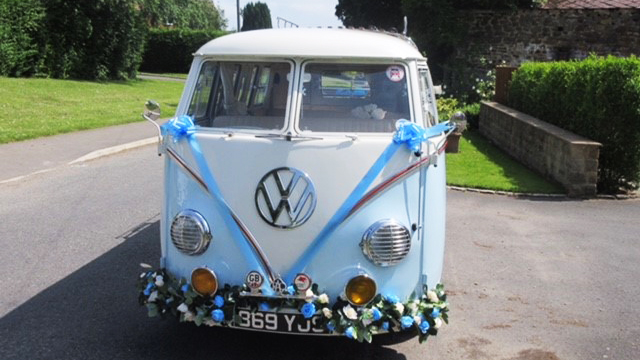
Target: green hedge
[21,42]
[598,98]
[171,51]
[93,40]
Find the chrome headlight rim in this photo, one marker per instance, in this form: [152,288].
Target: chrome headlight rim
[203,228]
[398,248]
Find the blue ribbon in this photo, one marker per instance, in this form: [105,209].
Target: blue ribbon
[178,128]
[409,133]
[413,135]
[183,127]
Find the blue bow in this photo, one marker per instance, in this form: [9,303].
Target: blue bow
[413,135]
[179,127]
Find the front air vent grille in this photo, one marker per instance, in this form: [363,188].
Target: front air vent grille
[386,243]
[190,233]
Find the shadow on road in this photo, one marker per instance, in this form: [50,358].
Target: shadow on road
[93,314]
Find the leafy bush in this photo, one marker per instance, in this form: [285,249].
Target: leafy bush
[447,107]
[20,40]
[94,40]
[171,51]
[598,98]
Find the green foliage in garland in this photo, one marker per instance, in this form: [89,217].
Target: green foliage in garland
[164,294]
[598,98]
[171,51]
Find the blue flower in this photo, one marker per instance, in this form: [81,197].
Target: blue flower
[147,290]
[308,309]
[424,326]
[407,322]
[350,332]
[217,315]
[435,313]
[185,288]
[385,326]
[264,306]
[331,326]
[377,315]
[218,301]
[291,290]
[391,298]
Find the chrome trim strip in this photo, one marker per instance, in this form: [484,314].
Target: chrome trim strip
[382,187]
[247,234]
[180,161]
[254,243]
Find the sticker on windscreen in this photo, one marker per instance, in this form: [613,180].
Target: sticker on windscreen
[395,73]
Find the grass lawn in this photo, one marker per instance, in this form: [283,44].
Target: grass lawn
[481,165]
[31,108]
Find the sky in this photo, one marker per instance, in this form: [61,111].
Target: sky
[305,13]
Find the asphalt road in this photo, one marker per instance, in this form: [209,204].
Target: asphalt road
[528,279]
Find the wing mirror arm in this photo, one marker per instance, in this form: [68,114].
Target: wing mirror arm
[152,114]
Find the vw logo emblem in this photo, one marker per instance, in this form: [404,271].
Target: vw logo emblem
[285,198]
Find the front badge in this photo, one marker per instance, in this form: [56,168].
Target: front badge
[285,198]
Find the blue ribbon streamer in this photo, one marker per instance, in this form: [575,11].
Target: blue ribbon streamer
[413,135]
[409,133]
[183,127]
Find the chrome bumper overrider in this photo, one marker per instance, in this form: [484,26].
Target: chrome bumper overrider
[311,314]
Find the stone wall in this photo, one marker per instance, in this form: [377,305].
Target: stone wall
[513,37]
[557,154]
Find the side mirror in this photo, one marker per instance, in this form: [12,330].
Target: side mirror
[152,113]
[151,110]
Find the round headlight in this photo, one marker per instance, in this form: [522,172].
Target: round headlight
[190,232]
[360,290]
[204,281]
[386,242]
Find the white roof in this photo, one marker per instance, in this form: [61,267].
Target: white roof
[317,43]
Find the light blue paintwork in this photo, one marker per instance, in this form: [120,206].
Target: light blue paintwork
[340,258]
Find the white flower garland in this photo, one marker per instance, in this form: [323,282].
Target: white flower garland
[164,294]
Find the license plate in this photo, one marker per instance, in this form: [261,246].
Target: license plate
[279,322]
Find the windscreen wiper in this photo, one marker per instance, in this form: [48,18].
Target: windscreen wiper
[289,137]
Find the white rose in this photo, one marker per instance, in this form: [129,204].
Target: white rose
[417,319]
[153,296]
[350,312]
[413,307]
[323,299]
[327,313]
[159,280]
[438,323]
[183,308]
[189,316]
[308,295]
[399,307]
[432,296]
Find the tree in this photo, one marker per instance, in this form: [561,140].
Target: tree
[256,16]
[21,42]
[182,14]
[102,39]
[383,14]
